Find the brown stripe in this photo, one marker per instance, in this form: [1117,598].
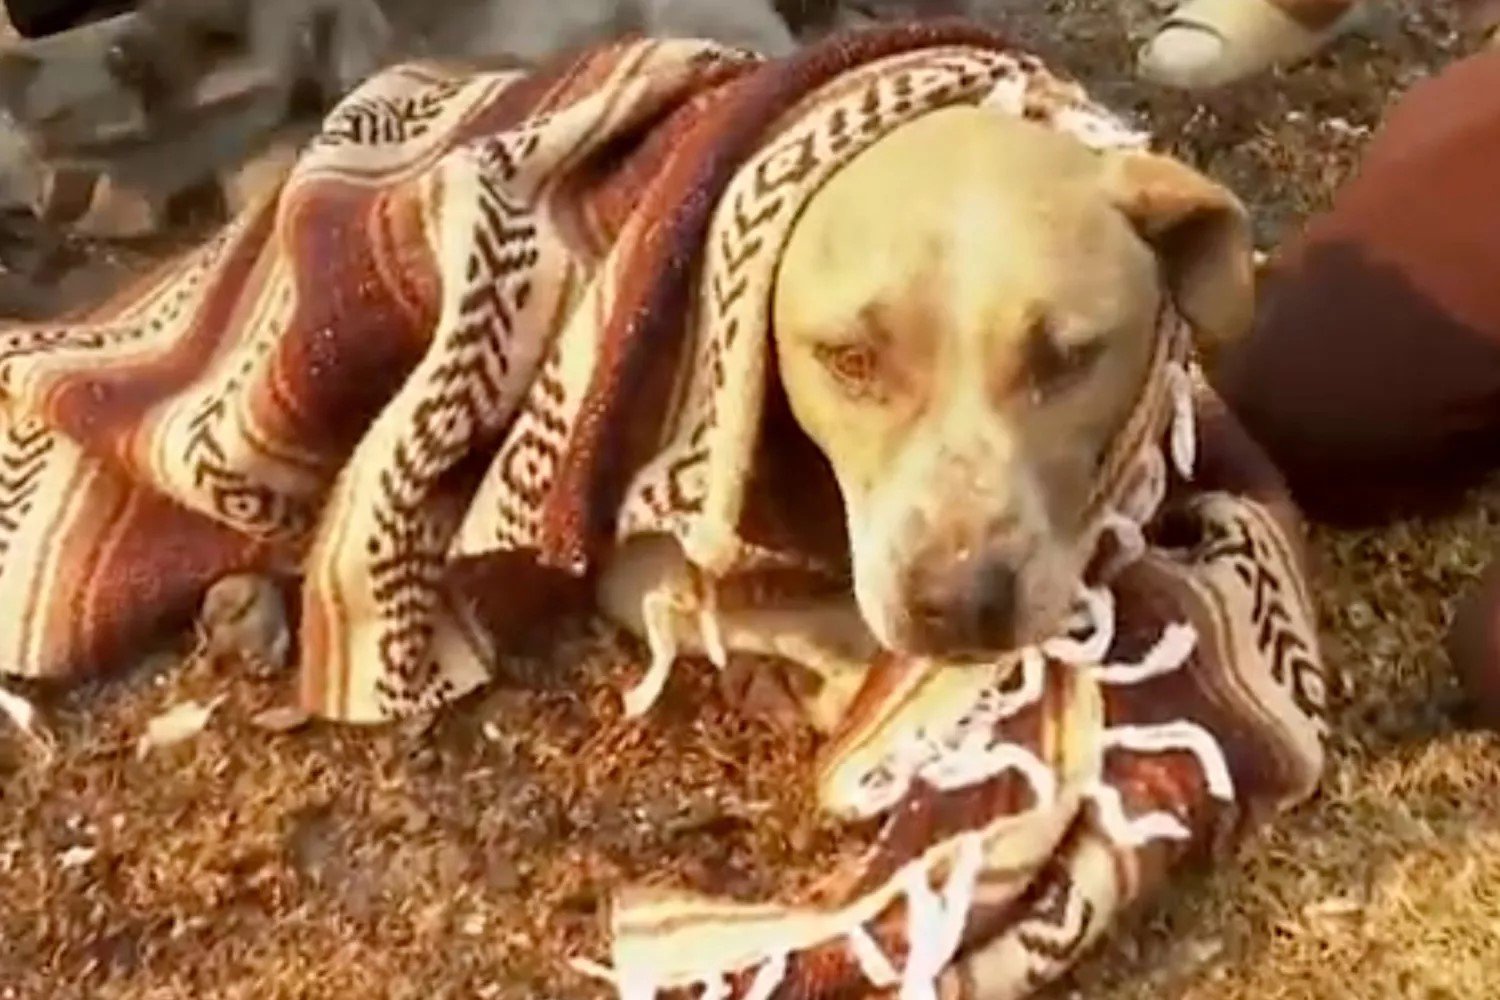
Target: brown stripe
[49,555]
[552,86]
[405,262]
[149,554]
[35,615]
[313,688]
[92,543]
[889,687]
[401,259]
[349,344]
[100,409]
[331,599]
[36,618]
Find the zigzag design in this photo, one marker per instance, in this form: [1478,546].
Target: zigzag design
[232,496]
[27,446]
[1265,591]
[400,600]
[476,370]
[1269,622]
[1047,934]
[1288,656]
[741,241]
[508,221]
[380,120]
[15,492]
[726,294]
[506,153]
[738,249]
[407,552]
[1283,645]
[484,306]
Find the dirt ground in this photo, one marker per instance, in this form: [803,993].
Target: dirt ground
[467,859]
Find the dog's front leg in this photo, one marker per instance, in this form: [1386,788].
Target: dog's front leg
[660,610]
[650,589]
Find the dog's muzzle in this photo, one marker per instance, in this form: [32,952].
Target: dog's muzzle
[965,604]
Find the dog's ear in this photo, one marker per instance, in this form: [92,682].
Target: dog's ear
[1201,233]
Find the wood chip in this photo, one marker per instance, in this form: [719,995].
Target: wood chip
[23,714]
[281,719]
[1334,906]
[1203,951]
[181,722]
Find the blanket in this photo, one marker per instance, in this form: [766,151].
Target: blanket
[495,323]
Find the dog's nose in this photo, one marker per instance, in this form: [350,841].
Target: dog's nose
[964,606]
[995,600]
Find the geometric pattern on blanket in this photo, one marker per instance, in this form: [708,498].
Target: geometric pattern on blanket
[496,316]
[481,302]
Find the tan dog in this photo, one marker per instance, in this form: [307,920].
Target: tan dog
[964,363]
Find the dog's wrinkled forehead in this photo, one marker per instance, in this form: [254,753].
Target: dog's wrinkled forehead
[1043,183]
[970,214]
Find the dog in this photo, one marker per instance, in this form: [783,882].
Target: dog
[963,365]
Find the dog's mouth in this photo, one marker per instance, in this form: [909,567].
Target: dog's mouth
[1067,613]
[959,612]
[978,615]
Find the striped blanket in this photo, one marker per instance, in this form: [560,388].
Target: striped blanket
[496,322]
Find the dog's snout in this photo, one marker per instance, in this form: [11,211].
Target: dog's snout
[963,605]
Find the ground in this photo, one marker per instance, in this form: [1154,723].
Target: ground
[467,859]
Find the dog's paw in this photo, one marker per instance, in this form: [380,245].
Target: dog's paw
[675,622]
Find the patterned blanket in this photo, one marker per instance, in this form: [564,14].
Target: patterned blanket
[495,323]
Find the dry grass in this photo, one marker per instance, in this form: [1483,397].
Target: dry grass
[467,859]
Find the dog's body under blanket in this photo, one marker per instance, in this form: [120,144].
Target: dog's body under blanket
[494,322]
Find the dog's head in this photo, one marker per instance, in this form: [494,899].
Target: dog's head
[964,320]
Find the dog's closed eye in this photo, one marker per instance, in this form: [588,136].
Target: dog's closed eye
[1053,365]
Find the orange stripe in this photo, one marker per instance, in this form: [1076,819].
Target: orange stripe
[65,508]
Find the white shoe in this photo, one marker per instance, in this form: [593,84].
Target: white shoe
[1210,43]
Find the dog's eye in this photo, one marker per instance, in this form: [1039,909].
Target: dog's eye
[1053,366]
[853,364]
